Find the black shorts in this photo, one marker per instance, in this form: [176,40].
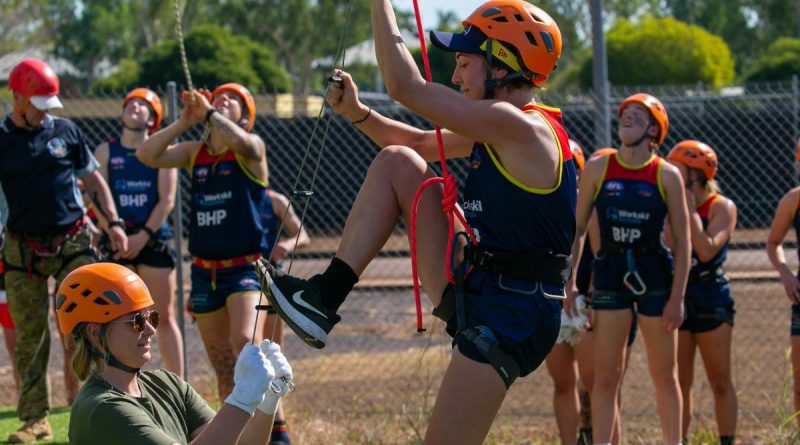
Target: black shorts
[156,253]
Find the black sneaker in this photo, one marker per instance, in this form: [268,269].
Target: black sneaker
[298,302]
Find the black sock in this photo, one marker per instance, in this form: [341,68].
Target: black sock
[724,440]
[335,283]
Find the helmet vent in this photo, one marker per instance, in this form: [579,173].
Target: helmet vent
[100,301]
[519,18]
[491,11]
[531,38]
[537,19]
[86,293]
[548,41]
[501,19]
[113,297]
[71,307]
[75,285]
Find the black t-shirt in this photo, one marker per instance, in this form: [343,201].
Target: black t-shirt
[38,171]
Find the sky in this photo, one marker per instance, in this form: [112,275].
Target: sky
[428,8]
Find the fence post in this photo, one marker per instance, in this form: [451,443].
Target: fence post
[796,107]
[172,98]
[602,125]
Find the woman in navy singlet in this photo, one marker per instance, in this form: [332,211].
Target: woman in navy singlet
[787,216]
[709,305]
[519,195]
[229,177]
[145,197]
[632,192]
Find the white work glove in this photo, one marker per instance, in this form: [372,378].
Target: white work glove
[251,377]
[282,380]
[572,327]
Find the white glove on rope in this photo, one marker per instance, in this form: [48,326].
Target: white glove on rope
[251,377]
[283,377]
[571,327]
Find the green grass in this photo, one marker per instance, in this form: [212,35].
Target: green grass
[59,421]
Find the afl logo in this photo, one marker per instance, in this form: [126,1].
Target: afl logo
[614,186]
[57,147]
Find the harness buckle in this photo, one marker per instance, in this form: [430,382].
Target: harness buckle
[484,259]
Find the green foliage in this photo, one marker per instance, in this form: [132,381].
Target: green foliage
[125,77]
[442,64]
[663,51]
[215,56]
[780,61]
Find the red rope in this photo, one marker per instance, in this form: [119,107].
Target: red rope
[448,201]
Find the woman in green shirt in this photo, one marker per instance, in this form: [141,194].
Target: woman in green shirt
[108,310]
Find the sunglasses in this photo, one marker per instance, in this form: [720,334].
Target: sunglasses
[138,321]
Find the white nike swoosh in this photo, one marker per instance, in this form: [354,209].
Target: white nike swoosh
[298,298]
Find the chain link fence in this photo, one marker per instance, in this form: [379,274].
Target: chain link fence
[378,372]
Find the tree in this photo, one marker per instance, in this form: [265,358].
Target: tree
[27,23]
[780,61]
[215,56]
[664,51]
[299,31]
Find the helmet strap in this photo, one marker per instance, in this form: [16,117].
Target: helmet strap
[136,129]
[107,356]
[644,135]
[490,84]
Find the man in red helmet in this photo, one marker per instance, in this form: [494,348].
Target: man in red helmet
[42,159]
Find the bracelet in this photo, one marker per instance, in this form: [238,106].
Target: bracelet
[149,231]
[209,113]
[364,118]
[117,223]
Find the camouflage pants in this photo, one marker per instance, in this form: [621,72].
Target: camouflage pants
[29,304]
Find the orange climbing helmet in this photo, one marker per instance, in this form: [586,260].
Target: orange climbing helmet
[656,109]
[249,104]
[152,99]
[600,152]
[697,155]
[514,29]
[99,293]
[577,154]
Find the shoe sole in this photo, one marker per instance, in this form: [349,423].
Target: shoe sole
[305,328]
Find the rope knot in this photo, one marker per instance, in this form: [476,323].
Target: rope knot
[450,195]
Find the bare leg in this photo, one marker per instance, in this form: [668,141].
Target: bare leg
[686,353]
[468,400]
[611,329]
[214,329]
[661,360]
[561,367]
[242,318]
[715,348]
[161,283]
[387,194]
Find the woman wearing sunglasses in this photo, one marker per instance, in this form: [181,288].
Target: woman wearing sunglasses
[108,310]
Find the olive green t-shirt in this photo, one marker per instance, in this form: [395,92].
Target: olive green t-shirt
[168,411]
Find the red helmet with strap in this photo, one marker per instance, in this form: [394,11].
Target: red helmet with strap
[35,80]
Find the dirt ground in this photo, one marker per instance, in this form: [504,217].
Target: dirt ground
[376,381]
